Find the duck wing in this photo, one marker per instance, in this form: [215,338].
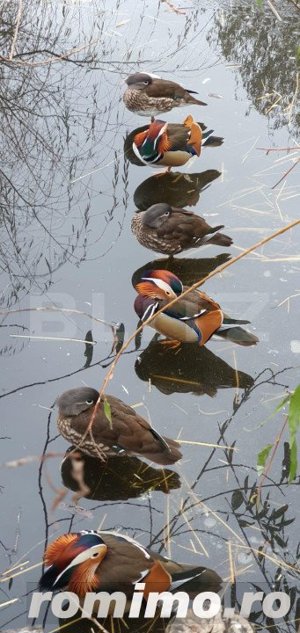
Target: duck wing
[186,228]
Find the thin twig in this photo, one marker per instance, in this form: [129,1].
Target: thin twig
[277,16]
[286,173]
[278,149]
[52,338]
[54,57]
[18,21]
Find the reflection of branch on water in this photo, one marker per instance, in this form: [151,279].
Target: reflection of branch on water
[41,148]
[253,39]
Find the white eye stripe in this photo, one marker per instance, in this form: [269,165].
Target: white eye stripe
[81,558]
[160,284]
[163,129]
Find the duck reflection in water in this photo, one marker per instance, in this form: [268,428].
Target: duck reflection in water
[176,189]
[116,479]
[183,370]
[189,270]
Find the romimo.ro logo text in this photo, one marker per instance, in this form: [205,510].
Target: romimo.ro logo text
[207,604]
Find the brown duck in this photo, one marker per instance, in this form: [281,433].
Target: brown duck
[171,230]
[148,95]
[116,430]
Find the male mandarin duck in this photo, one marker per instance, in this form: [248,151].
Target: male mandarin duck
[171,144]
[171,230]
[108,561]
[149,95]
[116,430]
[192,319]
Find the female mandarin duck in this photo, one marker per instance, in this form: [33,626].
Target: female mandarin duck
[108,561]
[116,430]
[171,230]
[149,95]
[192,319]
[171,144]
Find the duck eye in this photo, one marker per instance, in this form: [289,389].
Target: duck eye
[95,555]
[89,402]
[145,82]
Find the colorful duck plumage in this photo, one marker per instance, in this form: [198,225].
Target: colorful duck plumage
[109,561]
[171,144]
[192,319]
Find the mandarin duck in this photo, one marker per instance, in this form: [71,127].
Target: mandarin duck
[108,561]
[116,430]
[114,480]
[168,144]
[217,624]
[192,319]
[171,230]
[149,95]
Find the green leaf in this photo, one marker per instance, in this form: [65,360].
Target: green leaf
[294,462]
[260,3]
[294,425]
[107,412]
[294,411]
[262,458]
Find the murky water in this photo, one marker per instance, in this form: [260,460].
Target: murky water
[68,195]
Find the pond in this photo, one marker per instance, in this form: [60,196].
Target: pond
[68,257]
